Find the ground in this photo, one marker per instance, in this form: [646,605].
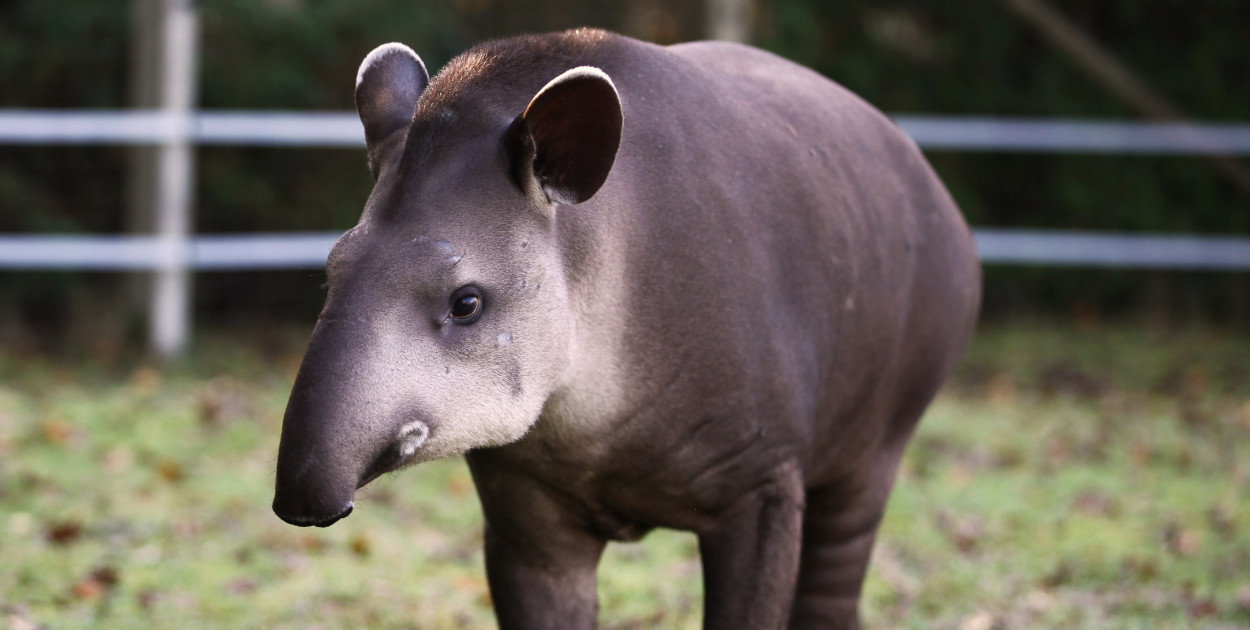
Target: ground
[1070,476]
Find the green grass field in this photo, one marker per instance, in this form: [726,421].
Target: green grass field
[1066,478]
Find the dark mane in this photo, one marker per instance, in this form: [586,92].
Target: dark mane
[517,66]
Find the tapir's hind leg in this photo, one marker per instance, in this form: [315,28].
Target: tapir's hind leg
[839,526]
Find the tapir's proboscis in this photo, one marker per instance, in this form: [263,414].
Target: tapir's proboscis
[695,287]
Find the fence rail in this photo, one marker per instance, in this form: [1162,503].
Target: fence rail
[343,129]
[174,252]
[308,250]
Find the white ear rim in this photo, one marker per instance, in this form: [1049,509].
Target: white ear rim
[383,51]
[580,72]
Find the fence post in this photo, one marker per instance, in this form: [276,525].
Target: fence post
[169,309]
[729,20]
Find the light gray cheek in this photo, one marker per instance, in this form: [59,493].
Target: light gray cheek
[504,339]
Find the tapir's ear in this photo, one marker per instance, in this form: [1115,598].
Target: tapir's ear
[568,136]
[390,80]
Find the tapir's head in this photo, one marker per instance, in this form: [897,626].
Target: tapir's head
[448,321]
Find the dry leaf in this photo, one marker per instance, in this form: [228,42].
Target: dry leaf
[1181,541]
[63,533]
[1243,599]
[96,585]
[241,586]
[458,486]
[1095,502]
[360,545]
[170,470]
[1203,608]
[146,598]
[56,431]
[1001,389]
[312,543]
[980,620]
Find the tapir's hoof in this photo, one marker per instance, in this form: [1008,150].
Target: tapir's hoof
[313,521]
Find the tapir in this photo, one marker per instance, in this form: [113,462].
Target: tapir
[695,287]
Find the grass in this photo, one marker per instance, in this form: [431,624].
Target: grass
[1067,477]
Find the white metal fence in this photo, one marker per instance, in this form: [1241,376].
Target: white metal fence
[173,253]
[343,129]
[300,250]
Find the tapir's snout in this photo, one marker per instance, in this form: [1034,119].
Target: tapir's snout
[308,494]
[343,428]
[312,488]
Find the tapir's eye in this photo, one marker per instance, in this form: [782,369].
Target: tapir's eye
[466,305]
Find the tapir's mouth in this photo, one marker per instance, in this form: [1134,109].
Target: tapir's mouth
[314,521]
[397,454]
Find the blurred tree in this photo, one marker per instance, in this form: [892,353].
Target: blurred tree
[920,56]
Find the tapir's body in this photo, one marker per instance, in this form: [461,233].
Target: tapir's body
[734,334]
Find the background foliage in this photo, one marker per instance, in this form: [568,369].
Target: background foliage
[906,56]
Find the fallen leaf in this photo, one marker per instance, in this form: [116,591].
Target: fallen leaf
[16,617]
[241,586]
[312,543]
[118,459]
[980,620]
[1060,575]
[1058,451]
[360,545]
[145,379]
[106,576]
[1095,502]
[170,470]
[56,431]
[1001,389]
[1062,378]
[1221,520]
[1143,569]
[1203,608]
[89,588]
[21,524]
[458,486]
[1039,601]
[1181,541]
[15,621]
[146,598]
[1085,315]
[63,533]
[221,399]
[186,528]
[1196,381]
[964,531]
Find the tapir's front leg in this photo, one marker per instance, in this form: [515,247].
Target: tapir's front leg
[540,561]
[751,558]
